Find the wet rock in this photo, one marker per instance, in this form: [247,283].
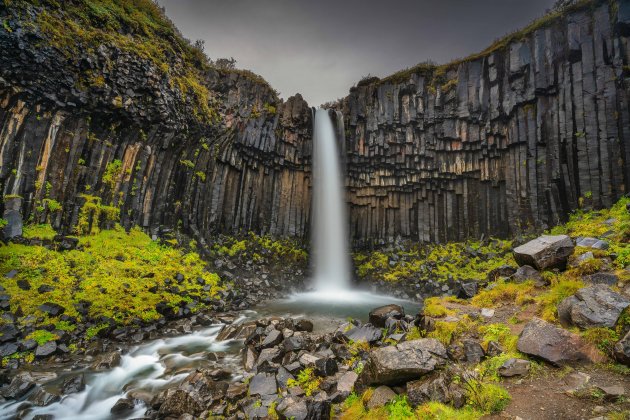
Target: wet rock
[622,350]
[178,402]
[273,339]
[545,252]
[52,309]
[8,332]
[304,325]
[73,384]
[514,367]
[107,361]
[42,398]
[203,385]
[263,384]
[473,351]
[45,350]
[409,360]
[123,406]
[594,306]
[273,355]
[527,273]
[236,391]
[554,345]
[235,332]
[380,396]
[345,385]
[19,386]
[379,315]
[365,333]
[249,359]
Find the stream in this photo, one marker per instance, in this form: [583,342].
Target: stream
[151,367]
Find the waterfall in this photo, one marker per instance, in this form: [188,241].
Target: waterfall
[330,231]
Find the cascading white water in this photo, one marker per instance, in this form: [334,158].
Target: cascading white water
[330,233]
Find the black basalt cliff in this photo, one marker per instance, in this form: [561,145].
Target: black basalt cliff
[511,139]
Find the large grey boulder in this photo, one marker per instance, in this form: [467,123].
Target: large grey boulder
[263,384]
[555,345]
[366,333]
[545,252]
[403,362]
[593,306]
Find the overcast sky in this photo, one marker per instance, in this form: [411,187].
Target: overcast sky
[321,48]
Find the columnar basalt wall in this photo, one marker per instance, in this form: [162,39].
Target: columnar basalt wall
[249,169]
[511,140]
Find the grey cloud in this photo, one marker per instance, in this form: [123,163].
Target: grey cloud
[321,48]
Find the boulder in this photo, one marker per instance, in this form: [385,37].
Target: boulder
[380,396]
[47,349]
[405,361]
[123,406]
[591,243]
[467,290]
[326,366]
[345,385]
[7,349]
[555,345]
[366,333]
[41,397]
[379,315]
[503,271]
[19,386]
[52,309]
[431,388]
[178,402]
[73,384]
[608,279]
[593,306]
[622,350]
[263,384]
[473,351]
[545,252]
[107,361]
[273,339]
[514,367]
[527,273]
[293,408]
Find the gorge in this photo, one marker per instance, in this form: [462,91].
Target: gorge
[469,222]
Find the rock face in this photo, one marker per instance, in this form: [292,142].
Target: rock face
[545,252]
[512,138]
[594,306]
[554,345]
[409,360]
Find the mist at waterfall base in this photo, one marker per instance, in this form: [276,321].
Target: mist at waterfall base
[332,292]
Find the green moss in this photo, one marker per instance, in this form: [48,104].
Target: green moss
[603,338]
[306,380]
[44,232]
[501,334]
[487,398]
[448,332]
[504,292]
[111,270]
[561,287]
[438,411]
[42,337]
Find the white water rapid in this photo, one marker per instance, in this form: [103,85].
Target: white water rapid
[330,232]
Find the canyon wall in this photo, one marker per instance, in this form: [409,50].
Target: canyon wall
[509,140]
[513,139]
[128,140]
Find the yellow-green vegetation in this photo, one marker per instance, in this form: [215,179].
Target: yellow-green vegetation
[501,334]
[435,307]
[42,231]
[486,397]
[466,261]
[447,332]
[603,338]
[137,27]
[306,380]
[261,249]
[561,287]
[503,292]
[355,408]
[42,336]
[93,213]
[112,271]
